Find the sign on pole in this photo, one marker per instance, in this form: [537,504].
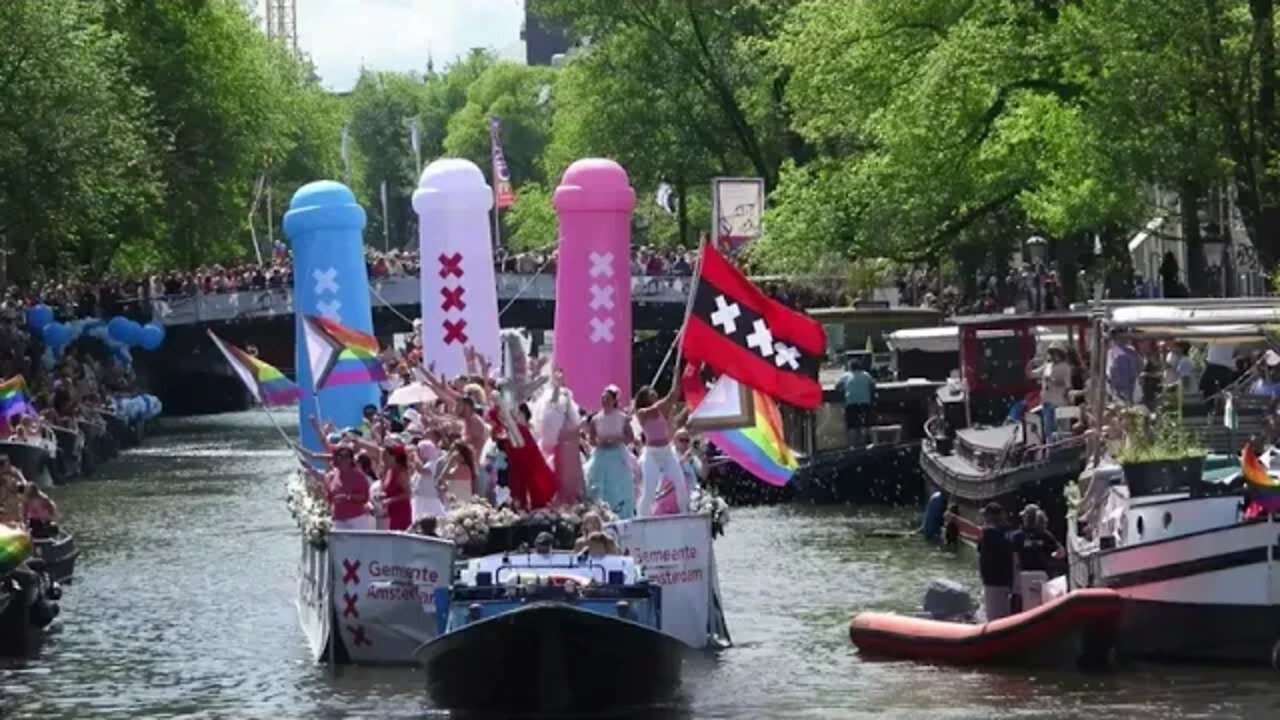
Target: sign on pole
[737,210]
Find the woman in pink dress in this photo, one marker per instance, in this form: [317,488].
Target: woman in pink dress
[396,489]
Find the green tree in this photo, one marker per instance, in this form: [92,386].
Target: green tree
[382,106]
[675,91]
[520,97]
[221,98]
[76,180]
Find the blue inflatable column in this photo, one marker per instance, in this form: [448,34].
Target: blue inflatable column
[325,226]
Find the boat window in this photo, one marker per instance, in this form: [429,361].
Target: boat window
[1139,525]
[1168,519]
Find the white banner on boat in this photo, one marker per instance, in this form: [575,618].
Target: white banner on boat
[675,551]
[382,592]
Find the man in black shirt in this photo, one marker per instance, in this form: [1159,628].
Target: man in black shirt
[995,562]
[1033,544]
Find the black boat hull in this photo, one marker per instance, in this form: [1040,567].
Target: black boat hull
[66,466]
[33,460]
[551,658]
[58,554]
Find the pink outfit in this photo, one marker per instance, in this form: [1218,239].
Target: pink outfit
[348,492]
[657,430]
[567,463]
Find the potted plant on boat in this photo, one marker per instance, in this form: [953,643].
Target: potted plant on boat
[1157,454]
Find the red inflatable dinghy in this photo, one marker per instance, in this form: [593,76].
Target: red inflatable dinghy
[1079,627]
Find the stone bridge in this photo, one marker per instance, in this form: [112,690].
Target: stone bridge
[190,376]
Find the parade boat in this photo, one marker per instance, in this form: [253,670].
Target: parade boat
[557,632]
[1186,553]
[1016,462]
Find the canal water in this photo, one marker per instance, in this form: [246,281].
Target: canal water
[183,607]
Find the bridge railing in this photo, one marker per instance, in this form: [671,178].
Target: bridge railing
[397,291]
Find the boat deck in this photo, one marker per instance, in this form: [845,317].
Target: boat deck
[990,439]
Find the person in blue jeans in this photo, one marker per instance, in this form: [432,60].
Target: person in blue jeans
[859,390]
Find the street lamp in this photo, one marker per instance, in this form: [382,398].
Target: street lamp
[1037,249]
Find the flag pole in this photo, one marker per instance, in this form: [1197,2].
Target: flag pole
[688,309]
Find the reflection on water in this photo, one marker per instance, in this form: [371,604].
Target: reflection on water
[183,607]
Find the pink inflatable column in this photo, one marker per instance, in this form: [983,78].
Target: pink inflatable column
[593,280]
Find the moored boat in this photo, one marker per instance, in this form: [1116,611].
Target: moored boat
[1189,559]
[34,459]
[58,554]
[67,462]
[1025,455]
[554,632]
[1077,628]
[28,598]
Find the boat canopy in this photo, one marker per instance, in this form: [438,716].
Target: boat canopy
[946,339]
[1197,322]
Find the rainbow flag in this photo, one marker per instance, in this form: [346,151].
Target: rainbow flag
[268,385]
[760,448]
[1262,489]
[339,355]
[13,397]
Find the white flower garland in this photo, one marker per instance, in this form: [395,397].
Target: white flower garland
[310,509]
[471,522]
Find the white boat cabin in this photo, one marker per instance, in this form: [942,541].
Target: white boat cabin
[551,568]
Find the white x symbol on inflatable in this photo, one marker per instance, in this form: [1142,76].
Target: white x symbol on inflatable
[330,309]
[601,297]
[326,280]
[787,355]
[601,264]
[601,330]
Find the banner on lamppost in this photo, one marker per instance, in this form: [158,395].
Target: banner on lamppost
[737,211]
[504,196]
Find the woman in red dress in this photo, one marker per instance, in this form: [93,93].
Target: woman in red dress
[533,484]
[397,489]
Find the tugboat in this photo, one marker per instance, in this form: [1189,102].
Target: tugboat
[1014,460]
[552,631]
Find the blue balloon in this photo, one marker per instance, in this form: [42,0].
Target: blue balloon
[118,329]
[56,335]
[39,316]
[152,336]
[135,334]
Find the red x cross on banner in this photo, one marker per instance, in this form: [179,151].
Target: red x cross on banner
[455,332]
[450,264]
[452,298]
[350,610]
[351,572]
[358,637]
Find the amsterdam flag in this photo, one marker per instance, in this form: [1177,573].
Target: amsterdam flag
[736,330]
